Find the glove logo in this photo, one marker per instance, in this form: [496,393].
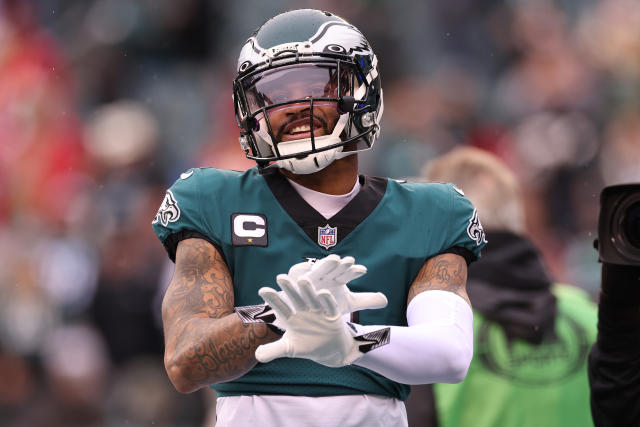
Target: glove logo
[249,229]
[374,339]
[327,236]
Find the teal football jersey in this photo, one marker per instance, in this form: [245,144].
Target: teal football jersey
[262,226]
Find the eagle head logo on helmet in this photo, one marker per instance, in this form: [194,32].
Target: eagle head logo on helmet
[307,92]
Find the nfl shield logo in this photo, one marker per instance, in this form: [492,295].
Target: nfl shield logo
[327,236]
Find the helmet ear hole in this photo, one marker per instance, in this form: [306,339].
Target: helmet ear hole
[244,66]
[335,48]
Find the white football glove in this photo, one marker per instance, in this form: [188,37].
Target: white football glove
[313,327]
[333,274]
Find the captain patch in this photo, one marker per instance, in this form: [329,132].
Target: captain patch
[249,229]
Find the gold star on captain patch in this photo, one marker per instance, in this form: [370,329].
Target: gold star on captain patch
[250,240]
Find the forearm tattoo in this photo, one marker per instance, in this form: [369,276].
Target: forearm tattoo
[447,272]
[203,337]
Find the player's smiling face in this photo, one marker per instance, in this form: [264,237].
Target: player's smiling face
[298,83]
[295,122]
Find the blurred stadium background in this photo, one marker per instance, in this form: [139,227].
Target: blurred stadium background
[104,102]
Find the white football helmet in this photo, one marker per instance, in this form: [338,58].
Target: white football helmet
[307,92]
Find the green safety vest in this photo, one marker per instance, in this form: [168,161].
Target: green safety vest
[517,384]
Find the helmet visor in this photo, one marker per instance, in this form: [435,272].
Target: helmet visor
[296,83]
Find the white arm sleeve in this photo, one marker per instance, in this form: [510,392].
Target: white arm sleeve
[437,346]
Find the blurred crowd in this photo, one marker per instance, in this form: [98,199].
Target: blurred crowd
[104,102]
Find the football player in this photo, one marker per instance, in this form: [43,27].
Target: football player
[319,349]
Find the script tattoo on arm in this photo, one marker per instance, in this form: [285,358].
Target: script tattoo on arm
[446,272]
[205,341]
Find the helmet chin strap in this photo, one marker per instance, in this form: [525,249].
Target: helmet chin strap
[310,164]
[313,162]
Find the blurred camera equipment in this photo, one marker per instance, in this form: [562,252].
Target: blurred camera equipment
[619,225]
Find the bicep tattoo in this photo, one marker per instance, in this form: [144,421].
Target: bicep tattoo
[447,272]
[201,285]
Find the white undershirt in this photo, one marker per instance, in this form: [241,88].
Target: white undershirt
[326,204]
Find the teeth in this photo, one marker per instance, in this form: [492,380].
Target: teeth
[304,128]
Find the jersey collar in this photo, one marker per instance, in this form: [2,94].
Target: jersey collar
[310,220]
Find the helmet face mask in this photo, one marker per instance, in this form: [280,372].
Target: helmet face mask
[299,103]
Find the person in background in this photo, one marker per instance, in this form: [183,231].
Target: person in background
[531,335]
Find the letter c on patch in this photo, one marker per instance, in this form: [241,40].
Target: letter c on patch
[249,226]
